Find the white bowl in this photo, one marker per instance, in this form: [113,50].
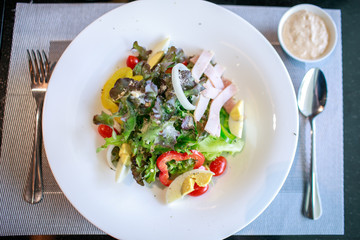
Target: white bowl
[329,24]
[127,210]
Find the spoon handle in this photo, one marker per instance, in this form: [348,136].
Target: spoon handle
[313,204]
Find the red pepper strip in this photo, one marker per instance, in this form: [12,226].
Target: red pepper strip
[173,155]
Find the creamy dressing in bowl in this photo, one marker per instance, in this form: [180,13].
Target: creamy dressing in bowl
[305,35]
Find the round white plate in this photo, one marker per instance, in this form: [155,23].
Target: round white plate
[127,210]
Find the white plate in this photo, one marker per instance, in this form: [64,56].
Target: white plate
[127,210]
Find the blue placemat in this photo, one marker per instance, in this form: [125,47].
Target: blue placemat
[55,215]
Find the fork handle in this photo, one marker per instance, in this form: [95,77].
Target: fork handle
[34,184]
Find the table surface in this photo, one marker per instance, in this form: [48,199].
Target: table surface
[350,11]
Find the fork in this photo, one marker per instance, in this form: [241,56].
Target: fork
[40,72]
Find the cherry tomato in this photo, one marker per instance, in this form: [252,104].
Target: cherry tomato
[198,191]
[132,61]
[218,166]
[105,131]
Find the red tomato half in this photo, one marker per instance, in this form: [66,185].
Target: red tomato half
[105,131]
[198,191]
[132,61]
[218,166]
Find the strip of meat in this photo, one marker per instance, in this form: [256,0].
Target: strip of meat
[229,105]
[201,107]
[210,91]
[214,77]
[213,124]
[219,69]
[201,64]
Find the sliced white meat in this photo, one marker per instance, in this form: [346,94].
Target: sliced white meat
[208,84]
[214,77]
[219,69]
[201,64]
[201,107]
[226,81]
[231,102]
[213,124]
[229,105]
[210,91]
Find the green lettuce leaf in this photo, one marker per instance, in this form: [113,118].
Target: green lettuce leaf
[143,53]
[212,147]
[179,167]
[103,118]
[116,140]
[130,123]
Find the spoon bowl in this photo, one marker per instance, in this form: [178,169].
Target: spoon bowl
[312,93]
[312,97]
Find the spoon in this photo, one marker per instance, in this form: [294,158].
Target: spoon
[311,101]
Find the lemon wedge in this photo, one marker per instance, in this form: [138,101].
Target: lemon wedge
[184,183]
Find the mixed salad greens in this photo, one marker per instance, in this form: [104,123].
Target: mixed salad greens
[146,121]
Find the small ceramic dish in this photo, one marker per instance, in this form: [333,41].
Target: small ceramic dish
[330,25]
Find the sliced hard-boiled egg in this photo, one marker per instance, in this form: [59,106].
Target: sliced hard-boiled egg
[122,168]
[158,52]
[236,119]
[236,127]
[237,112]
[184,183]
[125,149]
[187,186]
[202,179]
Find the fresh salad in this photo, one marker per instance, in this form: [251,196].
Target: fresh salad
[171,117]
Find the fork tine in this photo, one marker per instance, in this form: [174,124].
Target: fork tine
[47,67]
[42,70]
[52,66]
[37,73]
[31,66]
